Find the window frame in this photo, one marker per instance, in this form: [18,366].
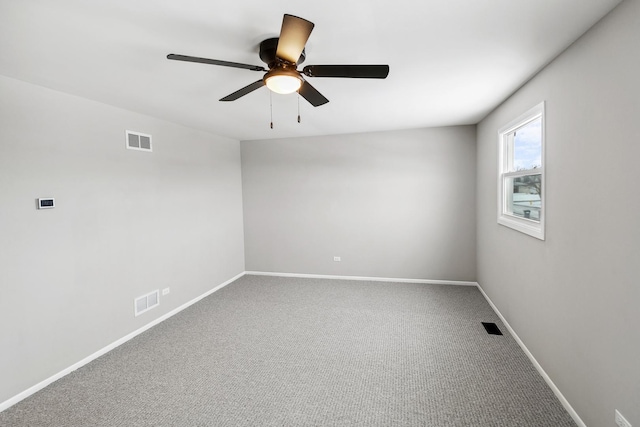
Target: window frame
[505,158]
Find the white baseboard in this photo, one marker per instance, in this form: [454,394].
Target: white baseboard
[42,384]
[537,365]
[372,279]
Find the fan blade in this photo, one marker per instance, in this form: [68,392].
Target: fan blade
[293,36]
[351,71]
[215,62]
[310,93]
[245,90]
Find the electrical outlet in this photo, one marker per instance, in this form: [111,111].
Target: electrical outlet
[337,259]
[165,291]
[622,421]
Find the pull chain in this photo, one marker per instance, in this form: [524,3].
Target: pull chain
[271,108]
[298,106]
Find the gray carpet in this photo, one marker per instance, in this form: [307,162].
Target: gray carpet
[271,351]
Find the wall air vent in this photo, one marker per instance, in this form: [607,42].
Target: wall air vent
[146,302]
[138,141]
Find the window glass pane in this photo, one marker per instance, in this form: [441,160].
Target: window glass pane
[527,146]
[524,196]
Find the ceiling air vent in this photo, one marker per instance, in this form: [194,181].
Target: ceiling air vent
[146,302]
[138,141]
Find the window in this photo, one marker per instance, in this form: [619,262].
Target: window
[521,175]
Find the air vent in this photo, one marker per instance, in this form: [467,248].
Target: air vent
[492,328]
[146,302]
[138,141]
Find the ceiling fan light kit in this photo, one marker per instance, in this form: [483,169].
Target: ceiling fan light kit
[283,80]
[282,55]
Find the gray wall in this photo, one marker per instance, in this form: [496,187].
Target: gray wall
[390,204]
[574,298]
[126,223]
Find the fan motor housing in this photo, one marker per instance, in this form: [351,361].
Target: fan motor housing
[268,49]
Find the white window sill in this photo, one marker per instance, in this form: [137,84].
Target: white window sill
[523,225]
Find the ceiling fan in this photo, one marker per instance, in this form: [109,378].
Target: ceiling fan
[282,56]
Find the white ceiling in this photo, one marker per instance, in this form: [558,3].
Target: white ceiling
[451,61]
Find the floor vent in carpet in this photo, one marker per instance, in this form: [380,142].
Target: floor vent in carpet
[492,328]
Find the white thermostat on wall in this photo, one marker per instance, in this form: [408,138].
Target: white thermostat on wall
[46,203]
